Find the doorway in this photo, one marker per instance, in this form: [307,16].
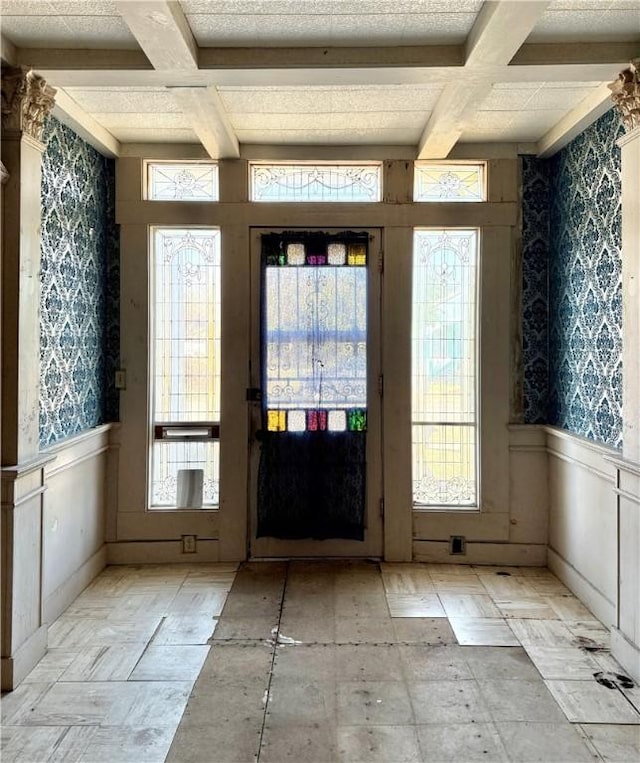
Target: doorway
[316,434]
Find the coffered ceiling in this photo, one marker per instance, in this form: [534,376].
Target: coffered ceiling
[425,74]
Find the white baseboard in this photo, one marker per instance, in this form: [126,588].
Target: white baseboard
[56,603]
[508,554]
[159,552]
[626,653]
[16,667]
[590,596]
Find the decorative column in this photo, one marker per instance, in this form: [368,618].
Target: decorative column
[625,638]
[26,101]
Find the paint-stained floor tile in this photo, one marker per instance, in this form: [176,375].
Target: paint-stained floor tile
[185,629]
[591,702]
[32,744]
[483,631]
[526,607]
[144,745]
[614,742]
[104,663]
[469,605]
[414,605]
[563,662]
[170,663]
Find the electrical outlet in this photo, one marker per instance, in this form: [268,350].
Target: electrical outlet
[188,544]
[457,544]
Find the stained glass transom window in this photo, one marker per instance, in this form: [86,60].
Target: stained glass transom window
[186,354]
[315,335]
[316,182]
[184,181]
[449,182]
[444,368]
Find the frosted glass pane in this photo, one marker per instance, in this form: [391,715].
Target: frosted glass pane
[169,457]
[316,182]
[444,366]
[444,465]
[186,330]
[186,181]
[449,182]
[316,337]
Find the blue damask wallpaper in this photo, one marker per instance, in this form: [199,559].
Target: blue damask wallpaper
[584,292]
[79,330]
[535,289]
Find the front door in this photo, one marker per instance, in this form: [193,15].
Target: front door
[316,482]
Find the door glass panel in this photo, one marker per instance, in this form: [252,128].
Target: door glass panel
[314,377]
[316,337]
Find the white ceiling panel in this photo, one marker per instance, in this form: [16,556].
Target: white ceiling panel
[109,32]
[331,137]
[124,100]
[522,126]
[144,121]
[407,29]
[588,24]
[549,98]
[53,8]
[391,98]
[277,100]
[228,29]
[538,96]
[590,5]
[507,99]
[156,135]
[325,99]
[327,7]
[345,121]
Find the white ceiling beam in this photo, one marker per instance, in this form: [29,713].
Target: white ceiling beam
[73,77]
[500,29]
[497,34]
[79,59]
[162,31]
[74,116]
[164,34]
[332,57]
[581,53]
[448,118]
[581,116]
[437,58]
[208,120]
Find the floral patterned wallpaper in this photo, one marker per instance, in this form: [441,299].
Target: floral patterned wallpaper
[535,288]
[79,330]
[580,234]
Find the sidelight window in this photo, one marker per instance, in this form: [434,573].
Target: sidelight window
[185,343]
[445,368]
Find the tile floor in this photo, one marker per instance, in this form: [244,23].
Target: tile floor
[315,662]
